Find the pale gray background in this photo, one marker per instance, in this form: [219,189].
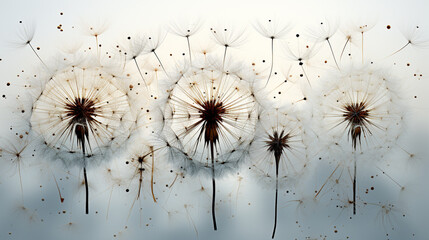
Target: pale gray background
[247,215]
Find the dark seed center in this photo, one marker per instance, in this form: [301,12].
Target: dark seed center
[277,143]
[211,116]
[81,111]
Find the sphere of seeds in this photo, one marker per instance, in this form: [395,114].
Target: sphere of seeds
[81,111]
[362,109]
[210,106]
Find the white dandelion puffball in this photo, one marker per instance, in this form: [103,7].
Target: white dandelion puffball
[362,109]
[209,105]
[81,111]
[279,146]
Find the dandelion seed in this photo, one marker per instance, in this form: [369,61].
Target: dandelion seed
[14,153]
[326,30]
[135,47]
[301,55]
[386,214]
[186,29]
[153,43]
[95,28]
[26,37]
[228,37]
[414,37]
[142,163]
[362,28]
[271,29]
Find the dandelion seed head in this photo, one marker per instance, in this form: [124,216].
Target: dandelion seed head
[80,105]
[361,110]
[324,30]
[272,28]
[208,105]
[186,27]
[228,36]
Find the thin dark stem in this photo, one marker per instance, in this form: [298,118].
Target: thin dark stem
[86,190]
[321,188]
[58,188]
[354,189]
[214,186]
[37,55]
[140,72]
[189,48]
[160,63]
[224,56]
[275,204]
[140,180]
[272,60]
[344,48]
[305,74]
[82,138]
[151,175]
[333,55]
[408,43]
[98,50]
[387,175]
[362,47]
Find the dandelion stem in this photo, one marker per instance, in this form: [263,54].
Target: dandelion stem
[224,56]
[140,180]
[344,48]
[151,176]
[58,188]
[277,190]
[81,133]
[159,60]
[305,74]
[86,191]
[408,43]
[354,187]
[37,55]
[318,192]
[333,55]
[387,175]
[20,180]
[362,47]
[191,221]
[108,203]
[214,186]
[141,75]
[189,49]
[272,60]
[98,50]
[174,181]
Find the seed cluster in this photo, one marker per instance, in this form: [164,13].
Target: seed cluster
[150,115]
